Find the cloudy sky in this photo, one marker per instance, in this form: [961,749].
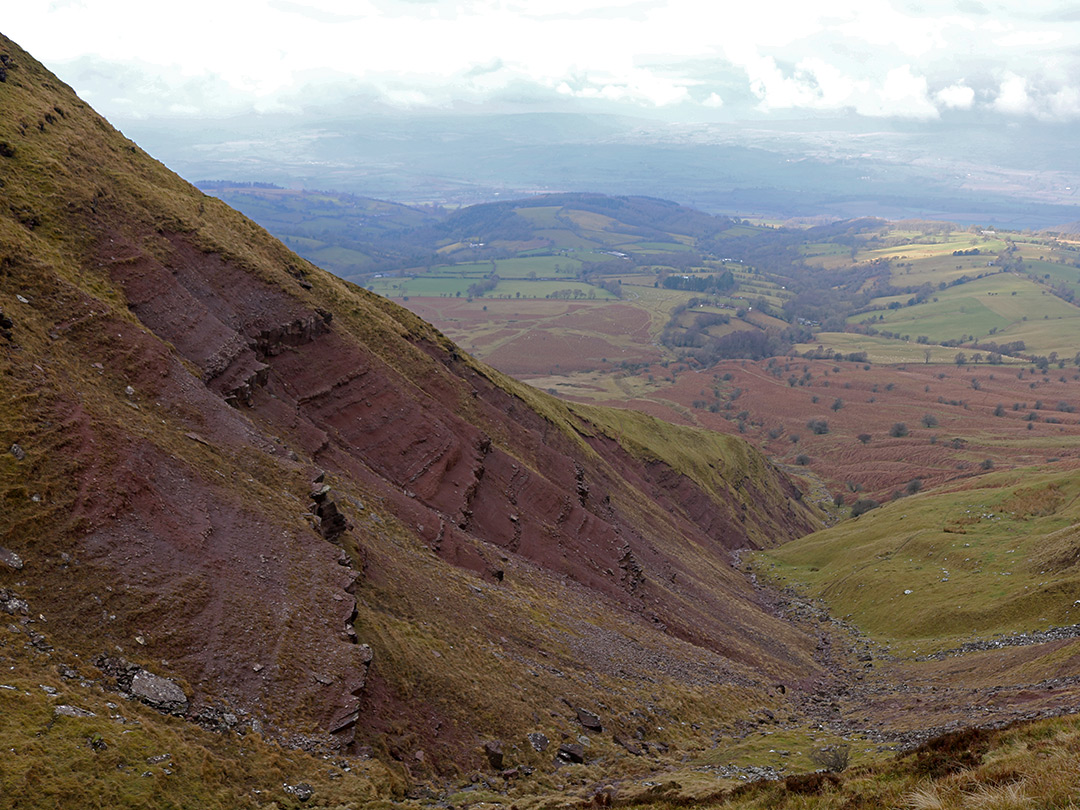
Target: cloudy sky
[679,59]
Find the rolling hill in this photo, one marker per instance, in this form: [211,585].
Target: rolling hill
[270,540]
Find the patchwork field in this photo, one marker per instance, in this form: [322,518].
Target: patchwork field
[822,345]
[1000,307]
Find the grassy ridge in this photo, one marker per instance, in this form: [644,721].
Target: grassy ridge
[1024,766]
[999,554]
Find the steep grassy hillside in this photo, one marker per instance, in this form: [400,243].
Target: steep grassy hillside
[263,499]
[994,555]
[966,595]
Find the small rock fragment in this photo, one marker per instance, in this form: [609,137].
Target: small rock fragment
[571,752]
[628,744]
[11,559]
[161,693]
[65,710]
[494,753]
[18,452]
[589,720]
[538,741]
[302,791]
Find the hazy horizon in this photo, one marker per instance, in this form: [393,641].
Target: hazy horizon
[862,103]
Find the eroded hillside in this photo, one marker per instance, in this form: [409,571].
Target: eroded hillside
[315,517]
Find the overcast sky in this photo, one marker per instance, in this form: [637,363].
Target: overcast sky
[680,59]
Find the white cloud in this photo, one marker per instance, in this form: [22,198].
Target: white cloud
[904,95]
[876,57]
[1064,104]
[1012,97]
[956,97]
[1028,39]
[1018,96]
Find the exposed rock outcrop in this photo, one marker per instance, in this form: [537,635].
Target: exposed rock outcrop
[161,693]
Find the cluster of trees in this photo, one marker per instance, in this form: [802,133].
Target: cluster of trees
[821,353]
[568,294]
[695,335]
[612,286]
[713,284]
[750,344]
[485,285]
[1013,347]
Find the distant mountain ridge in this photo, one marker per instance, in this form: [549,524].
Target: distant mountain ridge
[355,237]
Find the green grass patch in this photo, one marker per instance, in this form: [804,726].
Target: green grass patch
[996,556]
[661,247]
[546,289]
[420,286]
[1005,303]
[879,349]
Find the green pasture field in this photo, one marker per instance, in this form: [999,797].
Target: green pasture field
[760,319]
[455,287]
[686,320]
[812,250]
[881,350]
[772,295]
[946,319]
[731,303]
[543,266]
[934,270]
[657,269]
[601,256]
[1052,333]
[882,303]
[544,215]
[710,310]
[924,250]
[759,285]
[937,568]
[591,220]
[614,240]
[740,230]
[1059,273]
[662,247]
[419,286]
[1000,302]
[569,240]
[470,270]
[542,289]
[637,279]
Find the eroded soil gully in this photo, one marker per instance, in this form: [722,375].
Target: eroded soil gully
[868,692]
